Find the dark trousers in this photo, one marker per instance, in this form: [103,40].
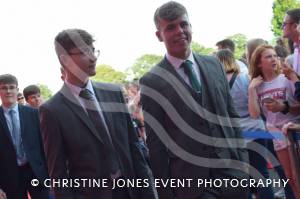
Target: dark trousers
[120,193]
[25,176]
[259,162]
[226,192]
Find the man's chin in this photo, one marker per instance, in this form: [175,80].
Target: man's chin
[93,73]
[9,101]
[182,53]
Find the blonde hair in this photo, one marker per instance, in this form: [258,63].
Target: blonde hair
[226,57]
[254,70]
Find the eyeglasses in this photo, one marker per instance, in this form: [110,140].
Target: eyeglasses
[87,52]
[286,23]
[6,88]
[20,98]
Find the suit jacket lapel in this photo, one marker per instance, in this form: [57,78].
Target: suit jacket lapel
[4,124]
[111,122]
[102,97]
[22,118]
[76,107]
[206,82]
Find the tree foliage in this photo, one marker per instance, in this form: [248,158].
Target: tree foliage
[198,48]
[279,9]
[46,93]
[142,65]
[240,41]
[106,73]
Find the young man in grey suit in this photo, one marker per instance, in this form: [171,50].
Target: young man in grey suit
[188,110]
[21,150]
[87,130]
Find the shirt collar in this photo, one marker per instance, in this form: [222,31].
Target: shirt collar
[15,108]
[176,62]
[76,90]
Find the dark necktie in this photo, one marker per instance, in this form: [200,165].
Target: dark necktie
[90,103]
[189,71]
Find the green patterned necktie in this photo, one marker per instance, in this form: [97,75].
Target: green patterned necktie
[189,71]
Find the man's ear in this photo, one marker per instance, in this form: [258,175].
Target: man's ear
[158,36]
[65,59]
[298,27]
[294,26]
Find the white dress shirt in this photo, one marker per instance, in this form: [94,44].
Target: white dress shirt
[176,63]
[75,90]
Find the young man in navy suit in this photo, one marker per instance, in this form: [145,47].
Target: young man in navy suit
[21,150]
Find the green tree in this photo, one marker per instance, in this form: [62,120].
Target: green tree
[198,48]
[106,73]
[46,93]
[142,65]
[279,9]
[240,41]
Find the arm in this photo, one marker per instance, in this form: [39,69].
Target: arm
[289,72]
[54,151]
[2,195]
[140,165]
[41,140]
[254,108]
[285,107]
[275,106]
[297,90]
[295,109]
[290,126]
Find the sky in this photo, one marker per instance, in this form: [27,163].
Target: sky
[124,30]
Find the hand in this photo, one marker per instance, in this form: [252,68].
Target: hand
[136,100]
[137,114]
[289,72]
[256,81]
[2,194]
[290,126]
[142,133]
[274,106]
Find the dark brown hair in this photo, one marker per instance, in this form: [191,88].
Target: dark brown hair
[8,79]
[169,11]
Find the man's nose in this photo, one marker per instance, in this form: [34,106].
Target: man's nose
[179,29]
[92,58]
